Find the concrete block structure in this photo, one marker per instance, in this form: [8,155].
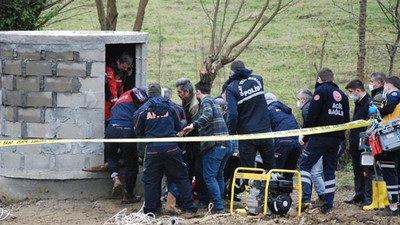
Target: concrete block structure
[52,87]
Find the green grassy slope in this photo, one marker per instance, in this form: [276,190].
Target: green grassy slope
[283,53]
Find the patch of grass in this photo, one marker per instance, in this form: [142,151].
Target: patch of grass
[283,53]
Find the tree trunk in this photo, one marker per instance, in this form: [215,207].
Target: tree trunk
[140,15]
[112,15]
[101,15]
[361,40]
[392,53]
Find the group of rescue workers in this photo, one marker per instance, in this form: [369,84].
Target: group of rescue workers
[242,108]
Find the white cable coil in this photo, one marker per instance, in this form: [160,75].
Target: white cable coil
[121,218]
[4,214]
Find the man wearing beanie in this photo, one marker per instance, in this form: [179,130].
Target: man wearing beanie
[156,119]
[248,114]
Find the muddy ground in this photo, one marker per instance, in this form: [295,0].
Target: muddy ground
[99,211]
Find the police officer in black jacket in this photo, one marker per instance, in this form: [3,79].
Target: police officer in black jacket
[362,186]
[248,114]
[329,106]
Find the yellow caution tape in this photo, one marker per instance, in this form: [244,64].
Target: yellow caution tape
[278,134]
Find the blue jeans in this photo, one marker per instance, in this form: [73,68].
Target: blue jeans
[214,161]
[317,177]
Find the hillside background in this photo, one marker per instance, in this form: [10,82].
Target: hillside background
[283,53]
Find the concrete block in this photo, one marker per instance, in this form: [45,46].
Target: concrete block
[7,54]
[9,113]
[93,149]
[95,160]
[12,67]
[13,98]
[37,162]
[98,130]
[98,69]
[71,69]
[72,131]
[75,100]
[70,162]
[11,160]
[29,149]
[12,129]
[93,55]
[93,99]
[28,54]
[29,115]
[58,84]
[1,67]
[38,130]
[92,84]
[39,99]
[38,68]
[62,55]
[56,149]
[91,115]
[62,115]
[28,83]
[7,82]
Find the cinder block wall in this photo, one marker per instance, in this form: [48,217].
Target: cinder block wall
[52,86]
[51,92]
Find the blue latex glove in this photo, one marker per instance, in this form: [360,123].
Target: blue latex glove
[373,110]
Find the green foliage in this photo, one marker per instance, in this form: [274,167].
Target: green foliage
[25,14]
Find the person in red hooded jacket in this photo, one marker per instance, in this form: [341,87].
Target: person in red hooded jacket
[119,79]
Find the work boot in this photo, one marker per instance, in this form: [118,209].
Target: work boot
[389,212]
[326,209]
[117,187]
[98,168]
[317,203]
[129,198]
[171,204]
[305,204]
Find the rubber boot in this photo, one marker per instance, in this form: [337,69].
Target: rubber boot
[379,196]
[171,204]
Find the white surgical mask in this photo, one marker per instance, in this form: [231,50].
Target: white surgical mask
[371,87]
[299,104]
[353,97]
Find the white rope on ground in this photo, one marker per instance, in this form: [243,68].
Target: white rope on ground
[4,214]
[136,218]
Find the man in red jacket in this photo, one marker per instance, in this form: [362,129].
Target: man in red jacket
[119,79]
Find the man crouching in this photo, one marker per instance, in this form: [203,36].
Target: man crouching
[156,119]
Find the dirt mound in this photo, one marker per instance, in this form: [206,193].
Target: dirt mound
[99,211]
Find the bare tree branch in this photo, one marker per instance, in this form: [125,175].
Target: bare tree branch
[206,11]
[140,15]
[355,16]
[214,29]
[67,18]
[230,28]
[57,11]
[76,7]
[278,8]
[244,37]
[223,22]
[51,4]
